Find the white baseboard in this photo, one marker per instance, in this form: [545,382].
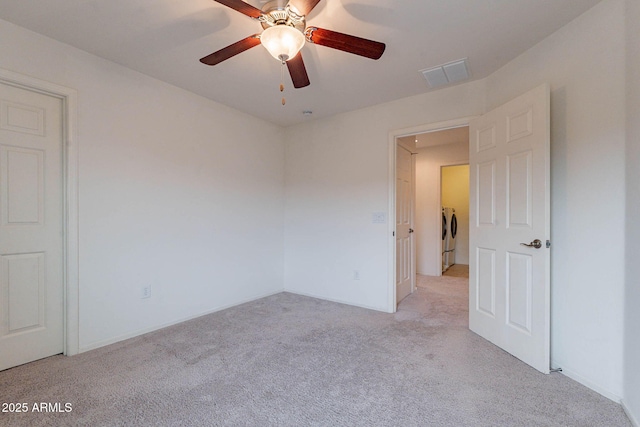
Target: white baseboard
[436,274]
[634,420]
[139,332]
[305,294]
[587,383]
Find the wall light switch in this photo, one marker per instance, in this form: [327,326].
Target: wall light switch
[379,218]
[145,292]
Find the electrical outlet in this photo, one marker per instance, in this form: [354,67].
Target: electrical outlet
[356,274]
[146,292]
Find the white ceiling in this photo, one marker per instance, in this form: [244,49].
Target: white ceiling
[166,38]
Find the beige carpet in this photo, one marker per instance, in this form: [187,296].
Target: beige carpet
[289,360]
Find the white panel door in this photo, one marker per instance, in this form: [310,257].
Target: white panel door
[509,286]
[405,271]
[31,231]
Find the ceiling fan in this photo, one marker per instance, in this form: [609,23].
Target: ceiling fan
[285,33]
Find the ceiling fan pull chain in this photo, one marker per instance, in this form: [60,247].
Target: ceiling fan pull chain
[282,80]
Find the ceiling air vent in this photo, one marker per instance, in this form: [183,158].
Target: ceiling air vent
[446,74]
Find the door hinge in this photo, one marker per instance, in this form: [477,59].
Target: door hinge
[548,244]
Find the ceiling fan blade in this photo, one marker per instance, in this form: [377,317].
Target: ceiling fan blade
[298,71]
[242,7]
[304,6]
[345,42]
[231,50]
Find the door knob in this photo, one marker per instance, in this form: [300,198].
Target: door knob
[411,230]
[535,244]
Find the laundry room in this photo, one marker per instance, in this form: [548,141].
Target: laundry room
[454,190]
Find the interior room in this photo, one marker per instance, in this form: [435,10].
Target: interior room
[197,231]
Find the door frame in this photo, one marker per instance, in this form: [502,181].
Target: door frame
[69,98]
[393,142]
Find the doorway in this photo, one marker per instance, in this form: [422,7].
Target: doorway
[509,154]
[441,182]
[449,142]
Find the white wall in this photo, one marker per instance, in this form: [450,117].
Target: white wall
[337,175]
[632,319]
[428,224]
[174,190]
[584,64]
[455,194]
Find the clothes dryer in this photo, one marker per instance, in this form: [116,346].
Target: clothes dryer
[453,231]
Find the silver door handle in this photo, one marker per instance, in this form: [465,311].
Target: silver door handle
[535,244]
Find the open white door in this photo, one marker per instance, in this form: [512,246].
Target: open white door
[509,286]
[405,267]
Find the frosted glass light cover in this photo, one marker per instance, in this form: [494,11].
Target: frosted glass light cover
[282,41]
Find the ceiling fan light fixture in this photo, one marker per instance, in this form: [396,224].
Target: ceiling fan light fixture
[282,41]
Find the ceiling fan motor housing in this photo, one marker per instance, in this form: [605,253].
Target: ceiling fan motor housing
[276,14]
